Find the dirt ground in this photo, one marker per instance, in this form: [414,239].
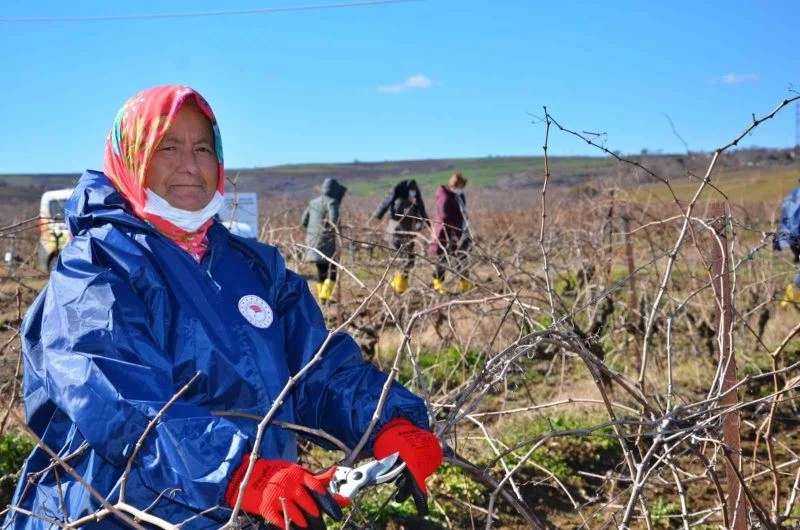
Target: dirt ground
[594,483]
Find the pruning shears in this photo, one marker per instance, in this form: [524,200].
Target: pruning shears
[348,481]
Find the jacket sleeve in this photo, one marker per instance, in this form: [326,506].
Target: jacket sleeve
[333,213]
[103,359]
[385,204]
[441,215]
[422,212]
[340,393]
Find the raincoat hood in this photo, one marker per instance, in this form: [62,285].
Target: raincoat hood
[96,201]
[333,189]
[403,188]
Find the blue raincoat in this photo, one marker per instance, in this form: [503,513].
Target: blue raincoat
[788,235]
[127,319]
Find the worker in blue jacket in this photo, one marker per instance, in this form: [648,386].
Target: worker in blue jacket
[158,328]
[788,236]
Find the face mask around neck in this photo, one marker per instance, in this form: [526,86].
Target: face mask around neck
[185,219]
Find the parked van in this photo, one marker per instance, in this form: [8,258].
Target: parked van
[53,233]
[241,229]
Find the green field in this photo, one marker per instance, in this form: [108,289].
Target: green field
[738,187]
[484,172]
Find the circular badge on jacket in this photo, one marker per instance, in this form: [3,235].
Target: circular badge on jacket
[255,310]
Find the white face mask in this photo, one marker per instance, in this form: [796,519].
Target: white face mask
[412,193]
[458,191]
[189,221]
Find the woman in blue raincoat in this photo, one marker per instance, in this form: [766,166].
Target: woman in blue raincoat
[157,323]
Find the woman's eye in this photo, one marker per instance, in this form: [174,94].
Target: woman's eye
[167,148]
[204,149]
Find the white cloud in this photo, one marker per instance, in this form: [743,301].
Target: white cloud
[733,79]
[415,81]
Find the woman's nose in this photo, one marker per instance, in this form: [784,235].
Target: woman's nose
[188,163]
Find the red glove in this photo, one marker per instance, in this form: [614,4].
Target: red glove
[421,452]
[278,487]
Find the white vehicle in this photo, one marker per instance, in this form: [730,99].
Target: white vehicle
[240,229]
[239,214]
[53,233]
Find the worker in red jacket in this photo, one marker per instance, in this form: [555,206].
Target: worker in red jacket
[451,237]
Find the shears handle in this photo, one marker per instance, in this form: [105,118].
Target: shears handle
[329,480]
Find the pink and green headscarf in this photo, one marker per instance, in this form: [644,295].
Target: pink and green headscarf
[140,125]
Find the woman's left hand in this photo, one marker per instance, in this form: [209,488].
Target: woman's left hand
[419,449]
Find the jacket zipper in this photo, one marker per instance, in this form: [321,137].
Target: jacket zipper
[206,265]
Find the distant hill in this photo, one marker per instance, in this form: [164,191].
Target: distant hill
[28,188]
[370,178]
[501,173]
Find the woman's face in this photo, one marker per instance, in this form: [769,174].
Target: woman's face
[184,168]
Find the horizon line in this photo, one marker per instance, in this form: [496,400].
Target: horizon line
[644,152]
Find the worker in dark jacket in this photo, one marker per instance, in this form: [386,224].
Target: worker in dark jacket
[321,220]
[159,332]
[451,237]
[407,216]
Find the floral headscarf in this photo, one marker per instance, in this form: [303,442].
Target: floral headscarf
[140,125]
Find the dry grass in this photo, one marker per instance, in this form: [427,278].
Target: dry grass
[517,384]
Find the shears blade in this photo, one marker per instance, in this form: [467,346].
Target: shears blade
[348,481]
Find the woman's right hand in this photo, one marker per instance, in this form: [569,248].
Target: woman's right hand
[281,491]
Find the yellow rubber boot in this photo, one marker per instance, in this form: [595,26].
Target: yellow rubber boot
[790,297]
[327,289]
[399,283]
[464,285]
[438,287]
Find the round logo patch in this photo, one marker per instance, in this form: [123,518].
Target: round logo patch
[255,310]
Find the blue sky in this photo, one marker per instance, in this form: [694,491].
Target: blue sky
[426,79]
